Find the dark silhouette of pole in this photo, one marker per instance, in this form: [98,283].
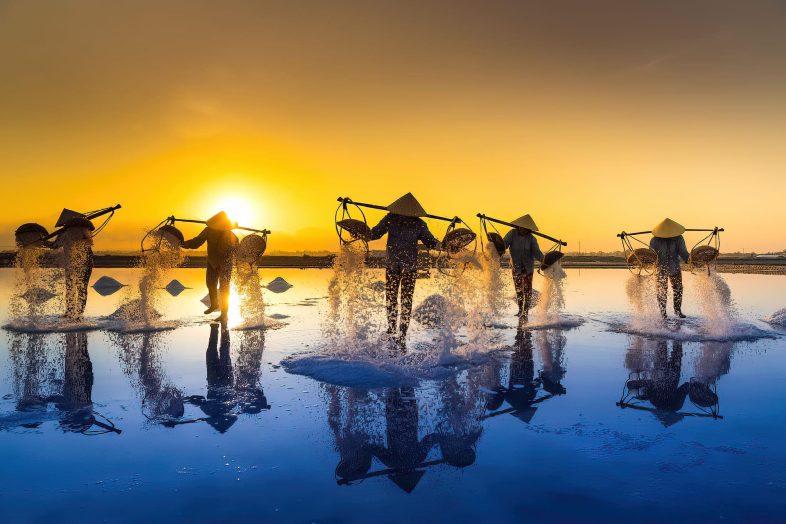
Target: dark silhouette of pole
[497,221]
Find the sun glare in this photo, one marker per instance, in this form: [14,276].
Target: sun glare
[239,209]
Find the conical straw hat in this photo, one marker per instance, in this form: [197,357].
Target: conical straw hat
[525,222]
[220,221]
[408,206]
[668,229]
[67,215]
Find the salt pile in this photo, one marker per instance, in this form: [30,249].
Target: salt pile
[175,287]
[278,285]
[106,286]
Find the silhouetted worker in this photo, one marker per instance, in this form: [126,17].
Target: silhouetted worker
[76,242]
[668,243]
[404,228]
[221,243]
[524,251]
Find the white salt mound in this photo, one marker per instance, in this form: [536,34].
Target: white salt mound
[175,287]
[132,310]
[38,295]
[107,285]
[278,285]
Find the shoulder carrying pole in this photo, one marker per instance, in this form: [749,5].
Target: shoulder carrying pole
[345,200]
[89,216]
[713,230]
[555,240]
[172,219]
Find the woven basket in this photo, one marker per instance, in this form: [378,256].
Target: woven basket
[356,228]
[457,240]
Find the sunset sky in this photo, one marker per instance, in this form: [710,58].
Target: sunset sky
[592,116]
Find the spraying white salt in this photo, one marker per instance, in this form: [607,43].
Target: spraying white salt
[493,281]
[252,301]
[713,297]
[34,287]
[642,295]
[550,305]
[353,315]
[139,310]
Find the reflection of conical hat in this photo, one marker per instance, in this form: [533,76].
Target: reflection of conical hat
[525,222]
[408,206]
[668,229]
[220,221]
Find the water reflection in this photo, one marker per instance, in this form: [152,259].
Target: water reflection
[231,390]
[140,357]
[53,380]
[656,382]
[524,390]
[388,427]
[406,431]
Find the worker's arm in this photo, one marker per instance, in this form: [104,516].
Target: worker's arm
[427,238]
[537,254]
[197,241]
[682,249]
[380,229]
[508,238]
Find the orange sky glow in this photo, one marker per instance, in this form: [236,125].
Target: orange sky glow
[593,117]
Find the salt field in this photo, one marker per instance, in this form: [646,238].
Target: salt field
[306,416]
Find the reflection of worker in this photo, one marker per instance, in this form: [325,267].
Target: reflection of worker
[405,452]
[230,391]
[76,403]
[522,385]
[668,243]
[524,251]
[77,263]
[220,397]
[551,345]
[404,229]
[657,377]
[221,242]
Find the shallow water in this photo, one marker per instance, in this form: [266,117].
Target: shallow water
[590,420]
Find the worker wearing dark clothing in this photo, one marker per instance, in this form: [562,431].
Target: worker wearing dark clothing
[404,229]
[668,243]
[524,251]
[76,241]
[221,243]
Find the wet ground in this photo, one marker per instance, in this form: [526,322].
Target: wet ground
[555,424]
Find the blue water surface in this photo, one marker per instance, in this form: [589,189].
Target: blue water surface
[558,425]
